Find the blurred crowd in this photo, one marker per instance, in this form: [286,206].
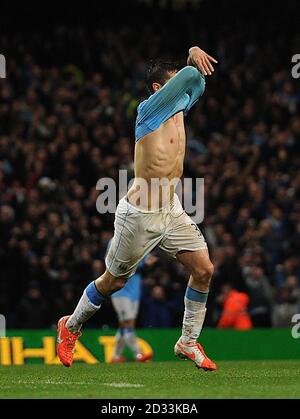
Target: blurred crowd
[67,113]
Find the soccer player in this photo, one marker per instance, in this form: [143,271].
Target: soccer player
[126,304]
[147,217]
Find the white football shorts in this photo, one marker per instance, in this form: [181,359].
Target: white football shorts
[125,308]
[137,232]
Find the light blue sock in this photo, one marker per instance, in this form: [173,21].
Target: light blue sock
[194,314]
[131,340]
[88,305]
[195,295]
[119,343]
[94,294]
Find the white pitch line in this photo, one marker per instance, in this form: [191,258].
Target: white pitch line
[53,382]
[123,385]
[49,382]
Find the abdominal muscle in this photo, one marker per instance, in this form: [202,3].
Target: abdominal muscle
[158,165]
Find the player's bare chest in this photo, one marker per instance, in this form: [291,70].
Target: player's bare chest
[176,131]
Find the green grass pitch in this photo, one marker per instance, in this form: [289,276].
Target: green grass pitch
[158,380]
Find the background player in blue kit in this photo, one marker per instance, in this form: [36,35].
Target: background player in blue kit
[126,304]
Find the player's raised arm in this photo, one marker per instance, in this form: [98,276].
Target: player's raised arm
[173,91]
[188,80]
[165,96]
[179,93]
[182,82]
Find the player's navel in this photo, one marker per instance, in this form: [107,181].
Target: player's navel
[171,141]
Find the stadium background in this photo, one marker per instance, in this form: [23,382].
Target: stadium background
[67,110]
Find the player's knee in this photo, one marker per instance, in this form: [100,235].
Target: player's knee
[210,269]
[203,274]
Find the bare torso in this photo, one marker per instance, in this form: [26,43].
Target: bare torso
[158,155]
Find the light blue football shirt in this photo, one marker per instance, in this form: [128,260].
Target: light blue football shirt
[180,93]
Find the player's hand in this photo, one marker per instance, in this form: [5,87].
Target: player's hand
[201,60]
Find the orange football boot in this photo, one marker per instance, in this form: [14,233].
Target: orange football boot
[144,358]
[194,352]
[66,341]
[118,360]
